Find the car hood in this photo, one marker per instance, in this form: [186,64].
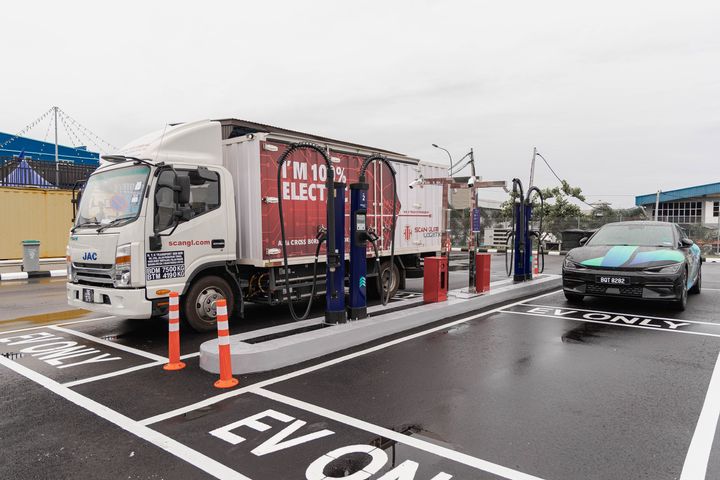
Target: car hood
[625,256]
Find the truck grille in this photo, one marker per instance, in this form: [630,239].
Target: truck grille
[96,275]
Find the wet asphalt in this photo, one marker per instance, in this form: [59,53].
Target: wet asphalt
[550,394]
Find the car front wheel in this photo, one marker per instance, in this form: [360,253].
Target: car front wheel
[681,302]
[698,282]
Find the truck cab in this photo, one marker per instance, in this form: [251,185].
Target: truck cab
[152,219]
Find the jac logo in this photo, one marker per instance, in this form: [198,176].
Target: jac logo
[89,256]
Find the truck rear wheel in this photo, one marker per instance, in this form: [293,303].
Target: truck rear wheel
[385,277]
[199,303]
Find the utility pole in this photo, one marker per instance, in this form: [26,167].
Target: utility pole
[718,235]
[472,239]
[532,167]
[57,163]
[657,204]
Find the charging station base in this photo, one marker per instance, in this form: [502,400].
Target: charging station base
[250,353]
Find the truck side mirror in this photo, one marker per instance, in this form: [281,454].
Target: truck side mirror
[583,241]
[686,242]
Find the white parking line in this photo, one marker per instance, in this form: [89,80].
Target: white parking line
[125,370]
[181,451]
[101,341]
[432,448]
[335,361]
[58,324]
[698,455]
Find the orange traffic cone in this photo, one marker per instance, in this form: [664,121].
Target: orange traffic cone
[174,362]
[226,378]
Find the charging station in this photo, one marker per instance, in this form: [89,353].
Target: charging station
[521,236]
[335,291]
[360,234]
[357,300]
[334,239]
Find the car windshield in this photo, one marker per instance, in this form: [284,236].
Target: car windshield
[643,235]
[112,196]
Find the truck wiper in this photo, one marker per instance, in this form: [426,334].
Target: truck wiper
[85,224]
[114,222]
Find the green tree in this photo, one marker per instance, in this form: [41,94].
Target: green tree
[557,203]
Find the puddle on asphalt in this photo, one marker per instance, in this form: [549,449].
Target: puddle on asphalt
[585,333]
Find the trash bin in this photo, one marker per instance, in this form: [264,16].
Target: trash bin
[31,255]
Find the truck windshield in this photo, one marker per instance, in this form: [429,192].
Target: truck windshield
[642,235]
[113,197]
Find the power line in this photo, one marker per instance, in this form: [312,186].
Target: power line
[562,182]
[73,138]
[26,129]
[89,133]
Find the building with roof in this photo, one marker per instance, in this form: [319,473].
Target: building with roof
[698,205]
[12,147]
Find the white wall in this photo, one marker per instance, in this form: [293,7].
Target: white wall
[709,219]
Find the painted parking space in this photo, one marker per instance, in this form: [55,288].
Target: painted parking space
[552,397]
[66,355]
[514,393]
[265,435]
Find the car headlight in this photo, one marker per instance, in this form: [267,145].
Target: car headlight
[570,264]
[123,260]
[674,268]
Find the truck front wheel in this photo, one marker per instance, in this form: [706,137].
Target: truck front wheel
[199,304]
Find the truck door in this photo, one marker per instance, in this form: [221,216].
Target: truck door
[192,236]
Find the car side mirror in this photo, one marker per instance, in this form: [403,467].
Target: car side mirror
[583,241]
[686,242]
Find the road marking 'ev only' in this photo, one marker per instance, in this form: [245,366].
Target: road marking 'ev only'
[56,351]
[281,441]
[612,318]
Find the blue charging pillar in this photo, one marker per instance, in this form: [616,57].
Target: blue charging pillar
[335,281]
[357,304]
[528,242]
[523,242]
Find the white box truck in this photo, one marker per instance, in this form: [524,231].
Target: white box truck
[192,208]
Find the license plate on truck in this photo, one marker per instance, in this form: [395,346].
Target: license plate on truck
[608,280]
[88,295]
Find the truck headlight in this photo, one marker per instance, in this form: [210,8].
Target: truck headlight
[71,274]
[123,260]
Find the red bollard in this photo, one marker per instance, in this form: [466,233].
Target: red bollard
[174,362]
[226,378]
[482,272]
[435,283]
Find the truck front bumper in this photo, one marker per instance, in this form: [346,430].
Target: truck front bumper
[121,302]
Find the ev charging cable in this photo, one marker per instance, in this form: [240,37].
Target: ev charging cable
[332,257]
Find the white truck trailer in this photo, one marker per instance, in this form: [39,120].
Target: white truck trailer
[193,208]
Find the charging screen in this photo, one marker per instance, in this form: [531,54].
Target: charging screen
[360,221]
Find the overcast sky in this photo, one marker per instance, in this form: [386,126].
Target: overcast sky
[621,97]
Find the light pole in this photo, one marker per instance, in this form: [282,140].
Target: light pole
[448,154]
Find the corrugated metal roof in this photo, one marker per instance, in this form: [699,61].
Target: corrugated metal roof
[679,194]
[39,150]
